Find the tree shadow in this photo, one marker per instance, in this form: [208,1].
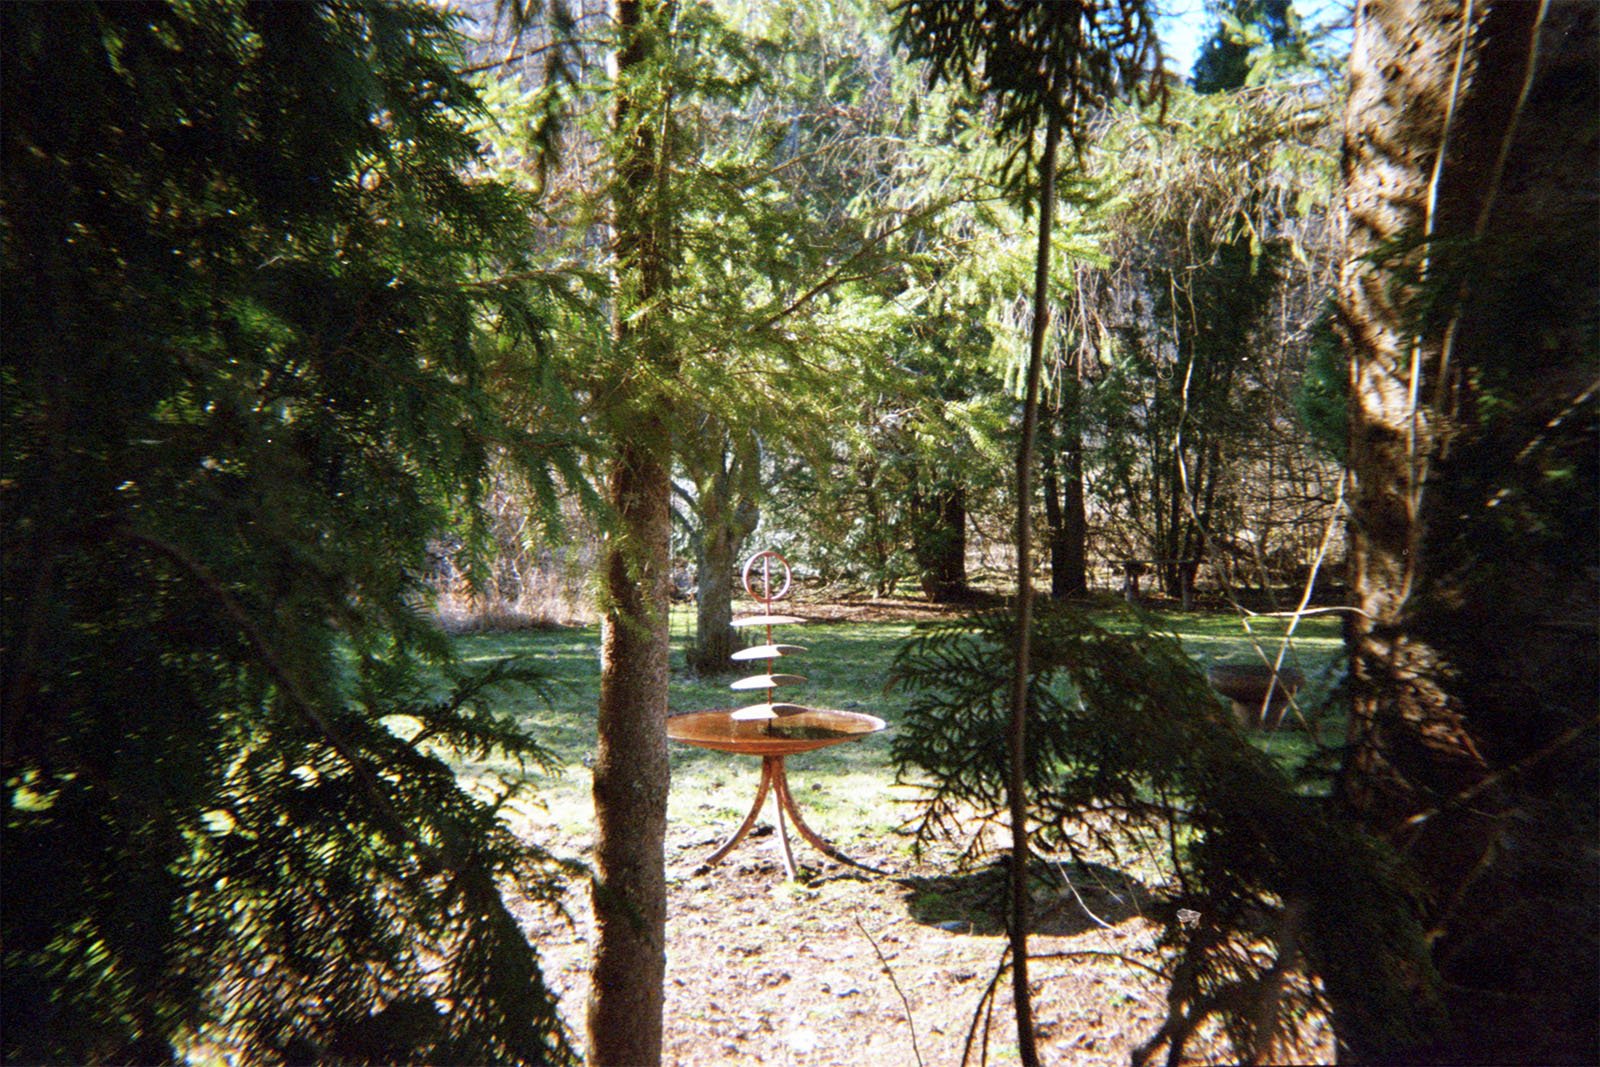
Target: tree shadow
[1068,898]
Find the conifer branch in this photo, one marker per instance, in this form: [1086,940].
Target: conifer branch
[837,275]
[287,682]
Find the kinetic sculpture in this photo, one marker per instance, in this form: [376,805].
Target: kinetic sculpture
[772,729]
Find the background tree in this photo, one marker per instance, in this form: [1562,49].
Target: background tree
[780,249]
[725,469]
[890,492]
[1062,480]
[704,337]
[1468,307]
[1218,263]
[1251,35]
[1044,65]
[242,389]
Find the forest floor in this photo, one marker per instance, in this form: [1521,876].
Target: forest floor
[844,966]
[848,967]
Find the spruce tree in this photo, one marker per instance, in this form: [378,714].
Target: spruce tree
[241,266]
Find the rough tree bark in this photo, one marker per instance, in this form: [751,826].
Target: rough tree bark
[726,507]
[631,770]
[1468,305]
[631,773]
[939,542]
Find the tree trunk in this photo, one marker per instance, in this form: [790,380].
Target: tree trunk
[728,515]
[1473,658]
[1064,513]
[631,772]
[880,540]
[939,543]
[714,563]
[714,639]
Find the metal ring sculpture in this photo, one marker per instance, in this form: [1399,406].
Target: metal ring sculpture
[763,579]
[765,558]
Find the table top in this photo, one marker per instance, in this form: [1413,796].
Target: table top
[802,731]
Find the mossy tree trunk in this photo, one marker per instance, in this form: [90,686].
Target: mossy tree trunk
[631,772]
[1468,306]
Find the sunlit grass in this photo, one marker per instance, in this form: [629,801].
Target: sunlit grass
[846,790]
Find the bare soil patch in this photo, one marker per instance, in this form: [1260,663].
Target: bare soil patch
[765,971]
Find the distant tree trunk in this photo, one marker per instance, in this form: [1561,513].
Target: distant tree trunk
[728,515]
[1473,661]
[1065,518]
[880,537]
[631,771]
[939,542]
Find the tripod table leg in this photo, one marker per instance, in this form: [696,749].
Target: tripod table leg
[780,785]
[749,820]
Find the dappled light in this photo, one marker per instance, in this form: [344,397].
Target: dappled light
[799,532]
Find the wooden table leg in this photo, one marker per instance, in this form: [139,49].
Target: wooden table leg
[780,786]
[749,820]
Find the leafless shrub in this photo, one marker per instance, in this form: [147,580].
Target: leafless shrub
[537,574]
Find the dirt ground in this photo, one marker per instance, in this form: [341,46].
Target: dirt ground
[849,967]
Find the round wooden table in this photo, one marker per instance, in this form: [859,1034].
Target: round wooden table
[772,740]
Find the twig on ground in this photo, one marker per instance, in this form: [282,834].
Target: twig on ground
[1065,877]
[911,1023]
[985,1010]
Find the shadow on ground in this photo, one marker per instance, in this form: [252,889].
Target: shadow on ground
[1068,899]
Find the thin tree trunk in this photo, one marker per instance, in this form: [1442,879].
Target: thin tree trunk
[1017,734]
[631,772]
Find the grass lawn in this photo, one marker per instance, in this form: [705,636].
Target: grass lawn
[848,787]
[763,970]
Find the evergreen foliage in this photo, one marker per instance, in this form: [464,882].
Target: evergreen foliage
[1324,395]
[1133,757]
[1038,63]
[1250,35]
[242,389]
[1219,256]
[1041,65]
